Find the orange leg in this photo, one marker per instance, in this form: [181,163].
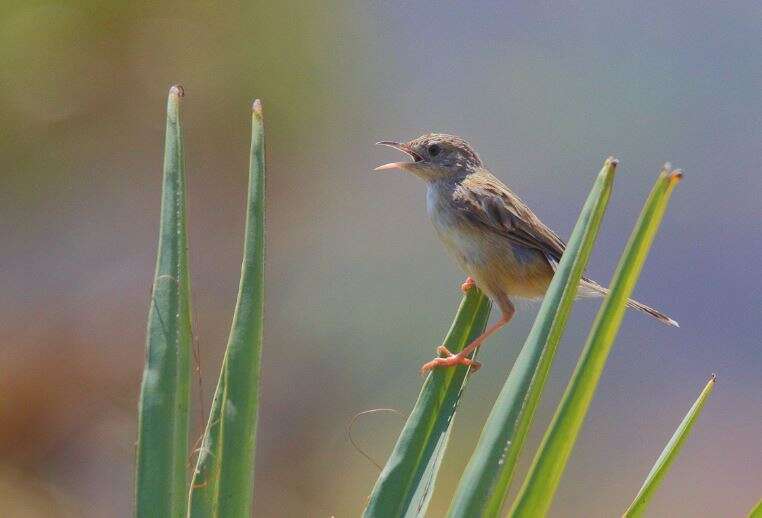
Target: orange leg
[467,285]
[448,359]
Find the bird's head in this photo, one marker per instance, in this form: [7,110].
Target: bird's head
[435,156]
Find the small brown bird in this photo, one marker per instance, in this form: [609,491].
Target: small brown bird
[498,241]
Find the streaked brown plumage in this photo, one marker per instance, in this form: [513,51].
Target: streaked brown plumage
[498,241]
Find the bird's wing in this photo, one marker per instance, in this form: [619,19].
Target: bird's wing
[486,201]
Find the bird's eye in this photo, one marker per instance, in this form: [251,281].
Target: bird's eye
[434,150]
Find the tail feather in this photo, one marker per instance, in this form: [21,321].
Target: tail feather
[589,287]
[658,315]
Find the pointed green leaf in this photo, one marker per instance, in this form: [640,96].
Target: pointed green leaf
[668,455]
[757,511]
[162,449]
[536,494]
[405,485]
[223,479]
[484,484]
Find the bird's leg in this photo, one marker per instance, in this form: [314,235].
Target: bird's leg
[448,359]
[467,285]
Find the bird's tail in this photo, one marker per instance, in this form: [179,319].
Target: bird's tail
[589,287]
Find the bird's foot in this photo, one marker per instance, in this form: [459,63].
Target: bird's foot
[467,285]
[447,359]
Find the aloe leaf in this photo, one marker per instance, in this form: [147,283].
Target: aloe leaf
[222,482]
[162,449]
[405,484]
[484,484]
[536,494]
[757,511]
[668,455]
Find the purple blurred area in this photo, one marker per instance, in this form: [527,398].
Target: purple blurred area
[359,290]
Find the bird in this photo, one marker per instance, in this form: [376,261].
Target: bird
[503,247]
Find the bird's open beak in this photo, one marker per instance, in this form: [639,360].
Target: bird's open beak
[401,147]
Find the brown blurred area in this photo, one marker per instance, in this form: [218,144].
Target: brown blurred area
[359,292]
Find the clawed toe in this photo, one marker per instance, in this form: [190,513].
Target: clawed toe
[449,360]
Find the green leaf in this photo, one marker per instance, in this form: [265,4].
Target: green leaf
[536,494]
[162,449]
[757,511]
[223,479]
[668,455]
[484,484]
[405,485]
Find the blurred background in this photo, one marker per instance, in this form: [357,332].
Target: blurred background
[359,290]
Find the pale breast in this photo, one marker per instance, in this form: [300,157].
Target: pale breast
[497,264]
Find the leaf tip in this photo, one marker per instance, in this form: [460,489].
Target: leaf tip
[177,91]
[256,107]
[672,176]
